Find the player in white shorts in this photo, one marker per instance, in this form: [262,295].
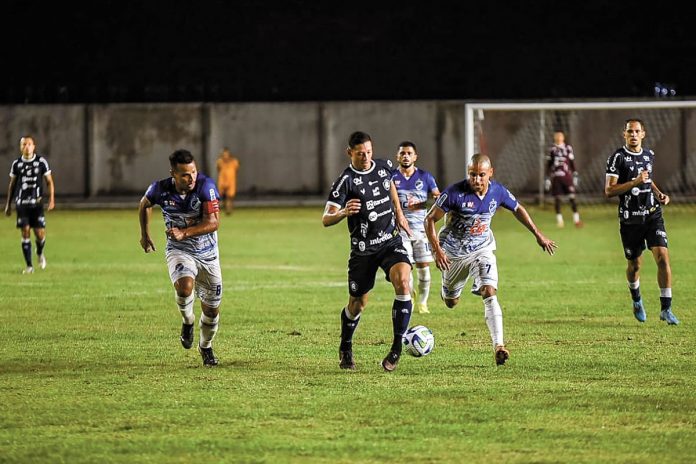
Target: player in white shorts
[414,187]
[189,202]
[464,246]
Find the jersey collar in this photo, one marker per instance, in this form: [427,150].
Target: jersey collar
[372,168]
[634,153]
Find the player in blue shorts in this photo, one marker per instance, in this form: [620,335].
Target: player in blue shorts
[364,193]
[27,176]
[464,248]
[189,202]
[629,176]
[414,186]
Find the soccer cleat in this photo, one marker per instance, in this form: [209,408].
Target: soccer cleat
[669,317]
[186,335]
[639,311]
[391,361]
[501,355]
[579,224]
[422,308]
[345,360]
[208,356]
[42,261]
[28,270]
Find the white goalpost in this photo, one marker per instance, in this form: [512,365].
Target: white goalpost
[517,137]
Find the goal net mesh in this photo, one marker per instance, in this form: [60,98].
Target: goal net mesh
[517,138]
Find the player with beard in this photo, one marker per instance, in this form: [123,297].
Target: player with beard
[415,186]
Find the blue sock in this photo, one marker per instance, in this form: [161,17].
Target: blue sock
[26,251]
[348,327]
[401,315]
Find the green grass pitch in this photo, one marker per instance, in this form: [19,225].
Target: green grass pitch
[91,369]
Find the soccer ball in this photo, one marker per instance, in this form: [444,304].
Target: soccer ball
[419,341]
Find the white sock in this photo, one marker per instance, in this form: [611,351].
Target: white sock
[494,319]
[576,217]
[665,293]
[209,327]
[423,284]
[185,304]
[559,219]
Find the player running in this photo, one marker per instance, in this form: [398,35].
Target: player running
[465,245]
[189,202]
[364,193]
[414,186]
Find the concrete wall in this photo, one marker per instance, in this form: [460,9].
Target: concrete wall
[101,151]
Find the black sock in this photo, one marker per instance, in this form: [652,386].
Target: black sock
[347,330]
[40,246]
[26,250]
[665,302]
[401,315]
[635,293]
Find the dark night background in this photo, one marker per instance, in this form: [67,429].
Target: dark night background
[120,51]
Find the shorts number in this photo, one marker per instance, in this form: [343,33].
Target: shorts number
[218,290]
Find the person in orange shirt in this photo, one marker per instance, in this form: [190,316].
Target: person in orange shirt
[227,166]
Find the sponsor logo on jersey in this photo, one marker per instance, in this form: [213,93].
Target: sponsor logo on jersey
[363,228]
[358,181]
[382,173]
[373,216]
[381,239]
[371,204]
[361,246]
[376,191]
[386,184]
[372,182]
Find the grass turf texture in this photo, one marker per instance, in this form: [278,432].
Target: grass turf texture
[91,369]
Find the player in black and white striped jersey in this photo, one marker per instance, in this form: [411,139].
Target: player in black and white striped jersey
[27,176]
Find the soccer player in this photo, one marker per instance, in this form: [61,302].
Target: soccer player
[629,176]
[562,177]
[465,245]
[227,167]
[189,202]
[364,193]
[414,186]
[26,188]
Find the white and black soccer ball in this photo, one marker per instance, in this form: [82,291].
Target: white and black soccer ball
[419,341]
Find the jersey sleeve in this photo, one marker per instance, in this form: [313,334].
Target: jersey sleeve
[44,166]
[151,193]
[210,197]
[339,191]
[13,169]
[430,181]
[443,202]
[507,199]
[614,164]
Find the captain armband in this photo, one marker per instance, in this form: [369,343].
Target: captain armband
[210,207]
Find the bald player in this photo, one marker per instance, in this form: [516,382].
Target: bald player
[464,247]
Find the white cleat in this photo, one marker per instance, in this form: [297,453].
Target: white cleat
[28,270]
[42,261]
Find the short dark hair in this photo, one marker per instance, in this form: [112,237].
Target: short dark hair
[639,121]
[356,138]
[406,143]
[180,156]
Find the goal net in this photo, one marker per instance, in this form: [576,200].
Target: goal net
[517,137]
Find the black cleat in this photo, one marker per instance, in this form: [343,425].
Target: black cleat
[391,361]
[345,360]
[208,356]
[187,336]
[501,355]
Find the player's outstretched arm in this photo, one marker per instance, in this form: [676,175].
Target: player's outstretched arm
[545,243]
[144,213]
[10,189]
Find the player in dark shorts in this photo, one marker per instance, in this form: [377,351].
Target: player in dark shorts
[26,189]
[562,177]
[629,176]
[364,193]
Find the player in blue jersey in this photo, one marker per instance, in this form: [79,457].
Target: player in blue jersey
[27,175]
[414,187]
[629,176]
[364,193]
[189,202]
[465,245]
